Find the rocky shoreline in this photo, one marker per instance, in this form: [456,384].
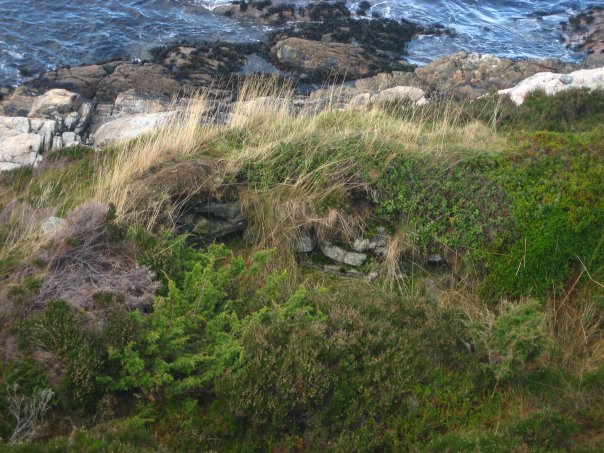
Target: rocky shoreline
[320,45]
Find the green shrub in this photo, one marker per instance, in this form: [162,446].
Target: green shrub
[513,339]
[81,351]
[192,334]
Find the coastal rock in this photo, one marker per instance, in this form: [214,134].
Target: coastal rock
[70,139]
[80,79]
[322,59]
[85,114]
[360,102]
[57,142]
[132,102]
[468,75]
[149,78]
[585,32]
[237,11]
[129,127]
[340,255]
[55,100]
[383,81]
[18,145]
[19,102]
[46,128]
[553,83]
[400,93]
[461,75]
[19,149]
[10,126]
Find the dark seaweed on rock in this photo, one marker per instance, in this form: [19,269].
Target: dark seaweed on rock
[333,23]
[218,59]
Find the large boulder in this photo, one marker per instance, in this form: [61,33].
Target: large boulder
[553,83]
[55,100]
[129,127]
[320,59]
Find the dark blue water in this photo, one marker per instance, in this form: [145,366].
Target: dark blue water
[37,35]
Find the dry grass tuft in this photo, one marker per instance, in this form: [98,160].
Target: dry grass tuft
[84,261]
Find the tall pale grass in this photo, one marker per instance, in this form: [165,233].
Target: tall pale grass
[266,117]
[179,137]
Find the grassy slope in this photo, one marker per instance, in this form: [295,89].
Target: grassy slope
[504,352]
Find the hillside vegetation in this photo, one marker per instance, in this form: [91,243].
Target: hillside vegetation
[121,332]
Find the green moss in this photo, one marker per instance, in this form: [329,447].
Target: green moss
[556,183]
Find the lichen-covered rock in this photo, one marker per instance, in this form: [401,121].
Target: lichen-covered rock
[55,100]
[360,102]
[469,75]
[132,102]
[147,78]
[322,59]
[230,212]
